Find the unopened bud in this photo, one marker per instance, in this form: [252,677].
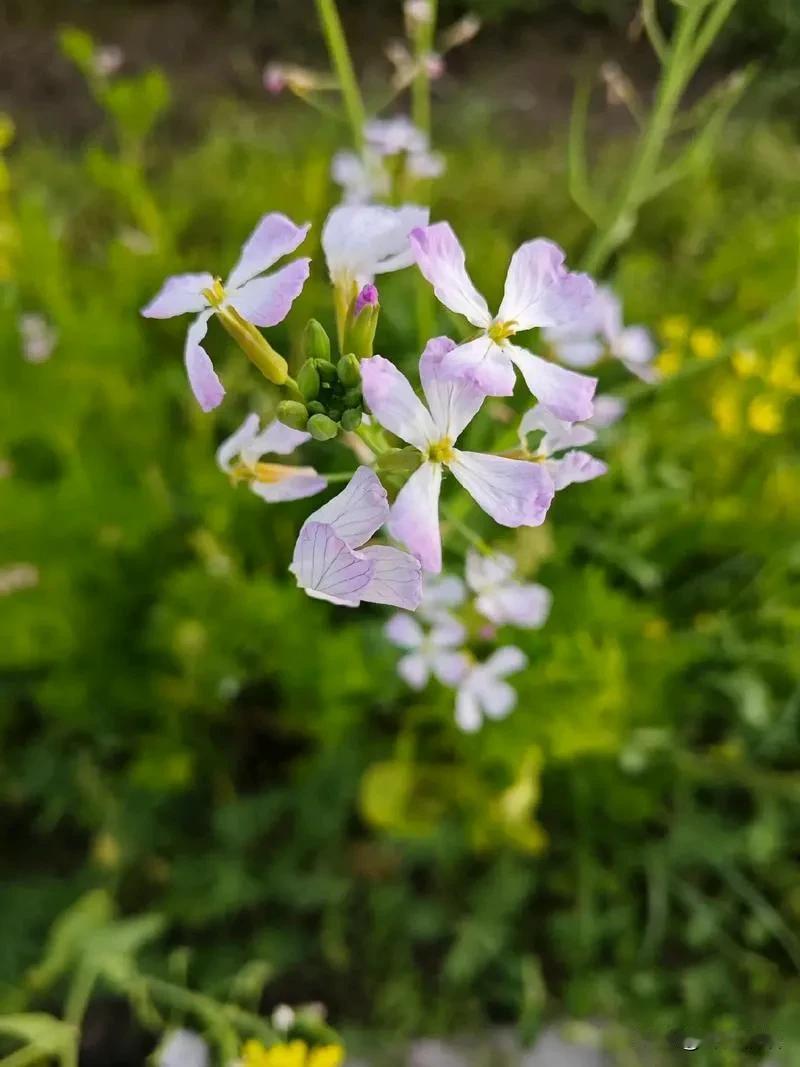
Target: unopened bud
[400,459]
[322,428]
[316,343]
[292,413]
[362,332]
[352,398]
[349,371]
[327,370]
[308,380]
[351,419]
[368,295]
[315,407]
[334,413]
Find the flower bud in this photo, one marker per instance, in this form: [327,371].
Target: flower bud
[334,413]
[308,380]
[292,413]
[327,370]
[349,371]
[351,419]
[322,428]
[352,398]
[316,343]
[366,298]
[400,459]
[315,407]
[364,324]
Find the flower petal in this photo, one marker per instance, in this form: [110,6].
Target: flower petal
[497,699]
[394,403]
[275,235]
[439,593]
[441,260]
[516,604]
[327,568]
[362,240]
[574,467]
[485,572]
[415,670]
[358,511]
[277,438]
[513,491]
[564,392]
[178,295]
[447,632]
[302,482]
[608,409]
[634,347]
[540,291]
[414,520]
[469,716]
[403,630]
[232,446]
[267,301]
[450,668]
[504,661]
[485,365]
[453,403]
[396,579]
[206,386]
[558,435]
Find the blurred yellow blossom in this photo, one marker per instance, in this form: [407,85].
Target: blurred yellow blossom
[291,1054]
[668,362]
[764,415]
[674,328]
[725,411]
[782,370]
[655,629]
[746,362]
[706,343]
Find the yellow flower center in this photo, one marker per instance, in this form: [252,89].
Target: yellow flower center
[501,331]
[215,294]
[291,1054]
[441,451]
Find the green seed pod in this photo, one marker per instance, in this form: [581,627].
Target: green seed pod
[349,370]
[322,428]
[351,420]
[316,408]
[400,459]
[294,414]
[352,398]
[327,370]
[308,380]
[316,343]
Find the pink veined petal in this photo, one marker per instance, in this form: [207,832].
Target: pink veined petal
[453,403]
[206,386]
[274,236]
[178,295]
[513,491]
[403,631]
[267,301]
[441,260]
[450,668]
[486,572]
[497,698]
[394,403]
[414,520]
[327,568]
[574,467]
[358,511]
[564,392]
[468,711]
[558,435]
[302,482]
[515,604]
[277,438]
[540,291]
[414,669]
[505,661]
[483,364]
[232,446]
[396,579]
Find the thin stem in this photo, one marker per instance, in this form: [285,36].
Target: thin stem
[466,531]
[338,476]
[653,29]
[226,1017]
[421,87]
[340,57]
[23,1057]
[77,1001]
[577,169]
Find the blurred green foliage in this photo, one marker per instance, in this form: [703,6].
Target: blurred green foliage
[182,728]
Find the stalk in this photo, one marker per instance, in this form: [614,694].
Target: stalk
[340,57]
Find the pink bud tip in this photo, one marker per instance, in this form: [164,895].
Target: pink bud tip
[274,79]
[367,296]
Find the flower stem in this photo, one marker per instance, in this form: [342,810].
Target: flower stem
[466,531]
[421,86]
[343,64]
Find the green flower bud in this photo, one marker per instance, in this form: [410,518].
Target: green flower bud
[294,414]
[400,459]
[351,419]
[322,428]
[349,370]
[327,370]
[308,380]
[316,343]
[315,407]
[334,413]
[352,398]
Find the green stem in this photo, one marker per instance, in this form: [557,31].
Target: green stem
[75,1006]
[229,1018]
[340,57]
[421,86]
[338,476]
[465,530]
[23,1057]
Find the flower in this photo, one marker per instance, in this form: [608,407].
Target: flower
[367,297]
[38,337]
[433,653]
[514,492]
[390,137]
[330,563]
[261,301]
[483,691]
[705,343]
[501,599]
[107,60]
[608,410]
[558,436]
[363,178]
[440,593]
[239,456]
[539,291]
[290,1054]
[184,1048]
[360,241]
[764,415]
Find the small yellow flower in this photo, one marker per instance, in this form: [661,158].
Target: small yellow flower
[725,411]
[655,629]
[674,328]
[705,343]
[764,415]
[746,362]
[668,362]
[291,1054]
[782,370]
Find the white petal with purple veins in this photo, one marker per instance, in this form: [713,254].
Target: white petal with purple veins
[514,492]
[441,260]
[540,291]
[274,236]
[361,240]
[558,434]
[574,467]
[358,511]
[329,569]
[206,386]
[453,403]
[178,295]
[485,572]
[483,363]
[414,519]
[564,392]
[394,403]
[267,301]
[297,485]
[396,578]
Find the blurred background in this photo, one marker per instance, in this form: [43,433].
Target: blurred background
[221,784]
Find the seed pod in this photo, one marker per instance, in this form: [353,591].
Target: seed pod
[327,370]
[349,370]
[316,408]
[351,419]
[316,343]
[293,413]
[400,459]
[322,428]
[308,380]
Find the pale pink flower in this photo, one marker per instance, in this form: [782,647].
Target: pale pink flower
[360,241]
[436,652]
[38,337]
[240,457]
[261,299]
[440,594]
[539,292]
[330,562]
[500,598]
[483,691]
[183,1048]
[559,448]
[608,410]
[514,492]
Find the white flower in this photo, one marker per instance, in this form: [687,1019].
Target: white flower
[240,457]
[436,652]
[38,337]
[360,241]
[573,465]
[440,593]
[184,1048]
[500,599]
[484,692]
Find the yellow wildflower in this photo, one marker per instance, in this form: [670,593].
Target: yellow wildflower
[674,328]
[291,1054]
[764,415]
[746,362]
[725,411]
[782,371]
[668,362]
[705,343]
